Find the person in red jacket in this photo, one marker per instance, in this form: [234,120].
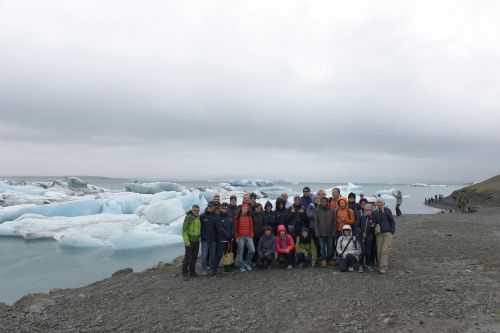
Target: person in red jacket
[243,232]
[285,248]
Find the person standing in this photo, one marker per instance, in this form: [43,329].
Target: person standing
[225,232]
[334,200]
[399,201]
[191,230]
[324,226]
[385,227]
[296,219]
[244,238]
[233,206]
[366,236]
[281,212]
[345,215]
[269,217]
[208,237]
[306,200]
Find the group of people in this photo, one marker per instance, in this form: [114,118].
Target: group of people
[316,230]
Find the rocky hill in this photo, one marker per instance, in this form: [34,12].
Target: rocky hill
[486,193]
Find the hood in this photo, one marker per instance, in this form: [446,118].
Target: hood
[345,201]
[281,228]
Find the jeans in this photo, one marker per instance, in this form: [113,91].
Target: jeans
[212,256]
[219,252]
[325,245]
[191,254]
[368,251]
[245,242]
[204,256]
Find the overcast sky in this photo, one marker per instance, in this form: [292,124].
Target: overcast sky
[299,90]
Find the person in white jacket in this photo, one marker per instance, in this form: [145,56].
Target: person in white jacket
[348,250]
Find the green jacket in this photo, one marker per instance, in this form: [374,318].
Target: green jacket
[191,229]
[307,249]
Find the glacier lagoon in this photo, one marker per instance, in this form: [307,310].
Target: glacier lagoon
[76,238]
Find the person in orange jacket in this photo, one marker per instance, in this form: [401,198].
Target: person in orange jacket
[345,215]
[334,200]
[285,248]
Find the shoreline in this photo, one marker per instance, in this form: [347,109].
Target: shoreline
[442,279]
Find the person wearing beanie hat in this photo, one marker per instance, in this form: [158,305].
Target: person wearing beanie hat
[306,198]
[266,248]
[209,238]
[270,217]
[297,218]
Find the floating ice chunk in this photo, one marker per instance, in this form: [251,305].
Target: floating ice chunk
[247,182]
[70,208]
[152,188]
[125,203]
[103,230]
[164,212]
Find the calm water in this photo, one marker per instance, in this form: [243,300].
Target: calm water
[37,266]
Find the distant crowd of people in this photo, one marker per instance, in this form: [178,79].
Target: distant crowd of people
[434,200]
[316,230]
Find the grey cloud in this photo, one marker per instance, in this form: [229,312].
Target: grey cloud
[321,82]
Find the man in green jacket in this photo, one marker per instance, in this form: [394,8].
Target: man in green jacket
[191,230]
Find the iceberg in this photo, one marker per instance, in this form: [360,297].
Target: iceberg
[247,182]
[69,209]
[118,232]
[153,188]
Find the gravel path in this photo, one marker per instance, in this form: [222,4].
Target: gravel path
[444,277]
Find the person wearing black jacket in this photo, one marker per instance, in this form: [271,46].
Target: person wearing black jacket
[385,227]
[225,233]
[281,212]
[296,219]
[366,235]
[208,237]
[270,217]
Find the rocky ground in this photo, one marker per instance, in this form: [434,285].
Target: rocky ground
[445,277]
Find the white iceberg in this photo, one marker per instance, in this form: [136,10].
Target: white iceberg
[118,232]
[152,188]
[69,209]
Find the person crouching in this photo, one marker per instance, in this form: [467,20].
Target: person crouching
[348,250]
[306,249]
[266,248]
[285,248]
